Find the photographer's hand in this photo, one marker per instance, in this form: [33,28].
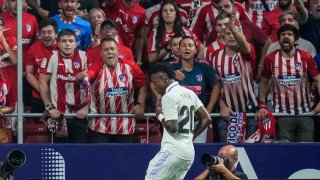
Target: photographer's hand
[221,169]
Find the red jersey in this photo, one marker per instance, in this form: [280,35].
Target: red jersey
[210,49]
[205,19]
[112,92]
[9,71]
[237,81]
[64,90]
[290,80]
[128,20]
[94,54]
[270,24]
[191,6]
[152,16]
[256,10]
[3,99]
[36,54]
[29,29]
[165,40]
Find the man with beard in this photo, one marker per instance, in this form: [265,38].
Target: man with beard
[113,85]
[270,23]
[204,20]
[39,51]
[69,20]
[289,68]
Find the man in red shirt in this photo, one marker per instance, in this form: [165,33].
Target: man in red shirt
[130,18]
[29,35]
[58,87]
[270,23]
[108,29]
[38,52]
[113,86]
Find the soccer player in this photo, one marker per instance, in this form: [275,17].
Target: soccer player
[63,96]
[290,69]
[176,110]
[113,85]
[69,20]
[38,52]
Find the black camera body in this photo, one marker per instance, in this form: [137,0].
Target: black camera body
[209,160]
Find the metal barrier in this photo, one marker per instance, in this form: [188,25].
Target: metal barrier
[147,115]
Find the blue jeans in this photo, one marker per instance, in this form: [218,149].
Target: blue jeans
[251,127]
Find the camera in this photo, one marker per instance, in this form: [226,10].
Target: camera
[14,160]
[209,160]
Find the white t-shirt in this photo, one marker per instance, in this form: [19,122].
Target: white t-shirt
[180,103]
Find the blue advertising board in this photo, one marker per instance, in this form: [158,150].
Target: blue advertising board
[130,161]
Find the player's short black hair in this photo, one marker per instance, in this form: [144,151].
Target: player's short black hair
[49,22]
[164,68]
[66,32]
[289,27]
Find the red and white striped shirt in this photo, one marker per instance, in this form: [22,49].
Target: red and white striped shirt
[205,18]
[256,10]
[64,90]
[237,81]
[211,48]
[152,16]
[290,80]
[112,93]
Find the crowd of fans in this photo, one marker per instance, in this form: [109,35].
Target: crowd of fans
[93,56]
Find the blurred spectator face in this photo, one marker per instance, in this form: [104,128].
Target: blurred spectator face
[226,6]
[221,26]
[286,40]
[284,4]
[288,19]
[174,46]
[315,8]
[109,53]
[12,6]
[188,49]
[108,31]
[48,36]
[229,38]
[96,17]
[68,7]
[168,13]
[67,44]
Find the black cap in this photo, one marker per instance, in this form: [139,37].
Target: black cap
[108,22]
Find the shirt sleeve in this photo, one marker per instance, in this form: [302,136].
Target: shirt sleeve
[139,79]
[30,60]
[267,67]
[87,36]
[312,66]
[210,75]
[170,108]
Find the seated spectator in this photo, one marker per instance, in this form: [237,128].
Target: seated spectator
[169,24]
[197,76]
[96,17]
[112,93]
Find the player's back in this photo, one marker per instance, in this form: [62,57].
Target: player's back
[180,103]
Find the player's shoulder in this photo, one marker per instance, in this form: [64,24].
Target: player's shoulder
[82,22]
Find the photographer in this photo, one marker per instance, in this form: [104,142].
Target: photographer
[222,169]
